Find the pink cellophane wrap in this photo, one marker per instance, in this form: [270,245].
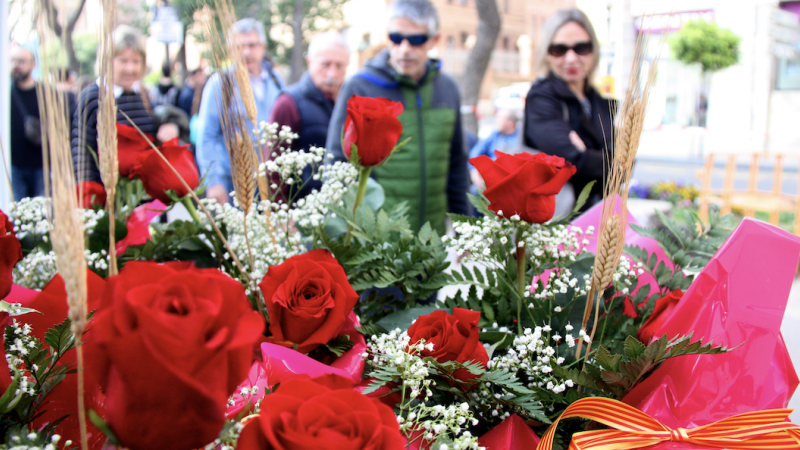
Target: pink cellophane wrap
[592,218]
[512,434]
[278,363]
[738,299]
[139,225]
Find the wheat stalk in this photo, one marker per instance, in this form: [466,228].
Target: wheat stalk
[614,218]
[66,221]
[107,127]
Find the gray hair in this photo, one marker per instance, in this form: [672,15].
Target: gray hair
[249,26]
[551,27]
[511,113]
[421,12]
[326,40]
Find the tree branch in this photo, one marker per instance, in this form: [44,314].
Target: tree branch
[73,18]
[52,17]
[489,23]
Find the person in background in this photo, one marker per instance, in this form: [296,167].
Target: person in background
[27,176]
[194,82]
[306,106]
[564,114]
[128,68]
[266,83]
[506,136]
[165,92]
[430,172]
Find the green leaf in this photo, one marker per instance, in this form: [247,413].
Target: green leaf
[340,345]
[633,347]
[15,311]
[584,195]
[104,428]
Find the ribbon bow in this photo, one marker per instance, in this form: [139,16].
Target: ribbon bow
[758,430]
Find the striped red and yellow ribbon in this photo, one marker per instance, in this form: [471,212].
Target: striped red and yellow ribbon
[631,428]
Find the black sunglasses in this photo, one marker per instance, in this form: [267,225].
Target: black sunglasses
[413,39]
[581,48]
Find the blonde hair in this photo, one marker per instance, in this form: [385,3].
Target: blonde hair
[549,30]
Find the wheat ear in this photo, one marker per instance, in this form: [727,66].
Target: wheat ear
[614,218]
[66,220]
[107,128]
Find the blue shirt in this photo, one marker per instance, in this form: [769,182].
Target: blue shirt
[495,141]
[212,156]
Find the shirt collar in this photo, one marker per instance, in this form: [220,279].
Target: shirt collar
[118,90]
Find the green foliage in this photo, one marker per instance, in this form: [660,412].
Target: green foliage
[86,52]
[42,362]
[615,374]
[707,44]
[340,345]
[181,241]
[688,246]
[318,16]
[385,253]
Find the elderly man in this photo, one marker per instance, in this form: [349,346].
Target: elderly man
[430,172]
[212,156]
[307,105]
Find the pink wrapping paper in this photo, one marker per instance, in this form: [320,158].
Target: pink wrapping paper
[279,363]
[738,299]
[512,434]
[139,225]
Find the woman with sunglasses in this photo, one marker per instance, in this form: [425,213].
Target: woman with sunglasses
[564,115]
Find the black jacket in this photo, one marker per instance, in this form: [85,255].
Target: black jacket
[552,110]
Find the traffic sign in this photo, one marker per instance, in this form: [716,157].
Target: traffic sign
[166,25]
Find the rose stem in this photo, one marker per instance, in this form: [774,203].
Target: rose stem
[521,269]
[363,177]
[187,203]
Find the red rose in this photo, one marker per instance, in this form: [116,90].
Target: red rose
[62,400]
[170,344]
[319,413]
[455,337]
[130,144]
[158,178]
[661,313]
[371,126]
[10,254]
[308,299]
[524,184]
[91,194]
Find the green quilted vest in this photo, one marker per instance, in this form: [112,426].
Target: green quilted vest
[417,172]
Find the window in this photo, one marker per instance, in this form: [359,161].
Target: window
[464,37]
[451,42]
[505,42]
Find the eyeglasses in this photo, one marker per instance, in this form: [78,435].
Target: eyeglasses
[581,48]
[413,39]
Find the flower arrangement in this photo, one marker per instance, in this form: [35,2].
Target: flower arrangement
[281,322]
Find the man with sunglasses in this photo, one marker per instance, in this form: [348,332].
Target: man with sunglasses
[430,172]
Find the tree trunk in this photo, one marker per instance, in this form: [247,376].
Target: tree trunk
[296,63]
[489,23]
[65,33]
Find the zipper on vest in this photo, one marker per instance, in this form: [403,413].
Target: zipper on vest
[423,173]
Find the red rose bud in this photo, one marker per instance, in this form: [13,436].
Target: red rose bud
[524,184]
[321,413]
[158,178]
[308,299]
[91,194]
[169,345]
[371,126]
[455,337]
[661,313]
[10,254]
[130,144]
